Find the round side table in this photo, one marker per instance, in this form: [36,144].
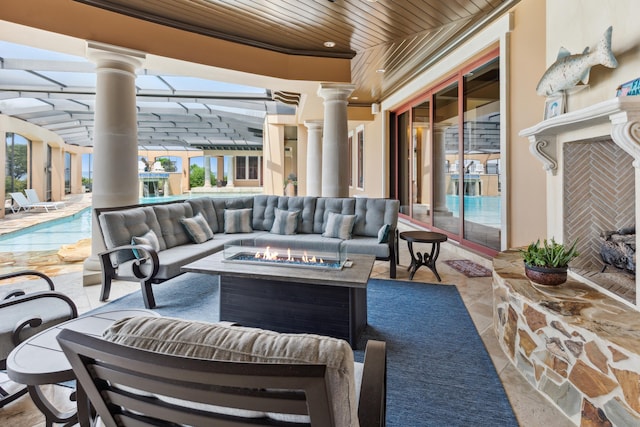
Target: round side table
[427,259]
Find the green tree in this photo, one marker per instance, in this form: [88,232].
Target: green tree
[196,176]
[167,164]
[16,167]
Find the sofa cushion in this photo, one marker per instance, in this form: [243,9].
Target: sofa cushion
[286,222]
[148,239]
[324,205]
[169,216]
[237,221]
[373,214]
[204,206]
[118,227]
[365,246]
[264,212]
[220,204]
[339,226]
[241,344]
[197,228]
[306,206]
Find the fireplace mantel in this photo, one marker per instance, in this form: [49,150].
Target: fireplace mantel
[620,117]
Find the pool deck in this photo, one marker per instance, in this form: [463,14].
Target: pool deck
[52,262]
[73,203]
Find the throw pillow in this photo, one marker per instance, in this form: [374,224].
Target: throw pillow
[197,228]
[286,222]
[383,233]
[237,221]
[339,226]
[148,239]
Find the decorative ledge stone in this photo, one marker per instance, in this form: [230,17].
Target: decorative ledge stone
[575,345]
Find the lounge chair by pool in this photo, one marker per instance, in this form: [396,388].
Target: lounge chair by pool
[24,204]
[32,197]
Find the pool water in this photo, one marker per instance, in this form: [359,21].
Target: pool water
[50,235]
[479,209]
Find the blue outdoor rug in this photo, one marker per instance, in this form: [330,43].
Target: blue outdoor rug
[439,372]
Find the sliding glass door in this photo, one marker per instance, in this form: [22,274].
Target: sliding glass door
[482,155]
[446,157]
[445,136]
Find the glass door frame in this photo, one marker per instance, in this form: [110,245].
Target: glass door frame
[407,107]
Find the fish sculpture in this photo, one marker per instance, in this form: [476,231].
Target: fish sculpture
[569,69]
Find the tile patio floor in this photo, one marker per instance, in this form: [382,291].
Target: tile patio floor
[530,408]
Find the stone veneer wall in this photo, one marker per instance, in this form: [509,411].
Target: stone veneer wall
[575,345]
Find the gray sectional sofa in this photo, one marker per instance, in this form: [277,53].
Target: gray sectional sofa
[150,243]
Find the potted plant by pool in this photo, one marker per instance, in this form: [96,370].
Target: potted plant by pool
[547,263]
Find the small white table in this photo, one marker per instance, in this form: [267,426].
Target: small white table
[39,360]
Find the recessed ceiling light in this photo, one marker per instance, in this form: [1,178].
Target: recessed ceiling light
[354,98]
[380,70]
[329,44]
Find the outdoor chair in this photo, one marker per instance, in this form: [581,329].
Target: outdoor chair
[26,205]
[32,197]
[21,201]
[168,372]
[23,315]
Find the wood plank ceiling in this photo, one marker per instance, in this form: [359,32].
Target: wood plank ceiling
[401,37]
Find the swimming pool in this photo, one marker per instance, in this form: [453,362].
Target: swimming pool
[479,209]
[50,235]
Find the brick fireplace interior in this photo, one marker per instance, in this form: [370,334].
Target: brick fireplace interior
[599,195]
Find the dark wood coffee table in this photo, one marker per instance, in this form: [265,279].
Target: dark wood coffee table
[39,360]
[292,299]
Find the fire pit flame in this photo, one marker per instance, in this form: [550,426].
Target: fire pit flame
[268,255]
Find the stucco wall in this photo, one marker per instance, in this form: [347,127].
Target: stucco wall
[526,186]
[576,24]
[374,169]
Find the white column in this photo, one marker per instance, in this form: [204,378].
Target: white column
[335,153]
[314,157]
[115,145]
[207,171]
[230,172]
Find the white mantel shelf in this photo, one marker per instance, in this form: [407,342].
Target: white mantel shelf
[623,113]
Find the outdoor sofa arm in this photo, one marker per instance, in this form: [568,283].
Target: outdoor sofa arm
[150,257]
[19,292]
[33,320]
[110,271]
[373,391]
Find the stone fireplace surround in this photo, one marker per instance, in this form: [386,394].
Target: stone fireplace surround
[576,344]
[616,120]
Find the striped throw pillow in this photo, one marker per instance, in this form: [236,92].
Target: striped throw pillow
[339,226]
[197,228]
[237,221]
[286,222]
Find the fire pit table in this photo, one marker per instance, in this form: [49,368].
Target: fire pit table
[290,298]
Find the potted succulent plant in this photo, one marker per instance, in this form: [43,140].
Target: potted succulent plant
[547,263]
